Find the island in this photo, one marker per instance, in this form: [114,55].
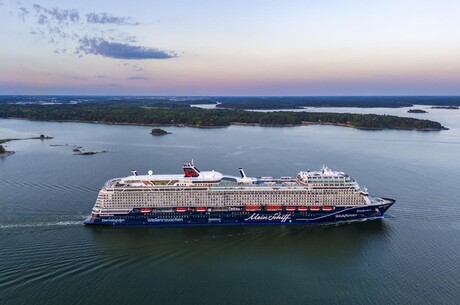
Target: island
[416,111]
[41,137]
[159,132]
[445,107]
[5,153]
[300,102]
[79,151]
[198,117]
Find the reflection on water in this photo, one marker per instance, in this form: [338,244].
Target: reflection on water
[331,242]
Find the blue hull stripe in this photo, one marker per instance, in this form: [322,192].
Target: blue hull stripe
[340,214]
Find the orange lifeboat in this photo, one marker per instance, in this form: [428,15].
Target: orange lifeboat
[302,209]
[314,208]
[290,209]
[273,208]
[327,208]
[252,208]
[201,209]
[146,210]
[181,209]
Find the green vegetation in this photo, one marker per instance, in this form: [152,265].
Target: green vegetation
[239,102]
[197,117]
[445,107]
[334,101]
[2,149]
[416,111]
[159,132]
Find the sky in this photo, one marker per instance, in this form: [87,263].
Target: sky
[241,48]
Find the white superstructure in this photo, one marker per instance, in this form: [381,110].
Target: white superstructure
[217,192]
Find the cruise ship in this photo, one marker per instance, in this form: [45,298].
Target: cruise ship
[212,198]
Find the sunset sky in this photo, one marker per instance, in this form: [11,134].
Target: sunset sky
[331,47]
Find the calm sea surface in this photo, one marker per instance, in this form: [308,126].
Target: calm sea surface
[47,256]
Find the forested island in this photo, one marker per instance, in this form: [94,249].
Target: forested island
[416,111]
[159,132]
[446,107]
[197,117]
[335,101]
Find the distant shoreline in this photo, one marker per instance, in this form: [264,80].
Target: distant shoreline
[304,123]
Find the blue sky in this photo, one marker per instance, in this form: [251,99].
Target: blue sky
[256,47]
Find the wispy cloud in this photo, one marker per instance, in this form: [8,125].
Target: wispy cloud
[23,12]
[100,46]
[137,78]
[61,26]
[61,16]
[104,18]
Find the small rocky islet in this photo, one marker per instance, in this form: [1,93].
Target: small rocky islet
[159,132]
[5,153]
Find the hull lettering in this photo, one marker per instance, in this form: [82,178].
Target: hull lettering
[275,217]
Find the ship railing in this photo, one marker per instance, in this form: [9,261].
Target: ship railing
[112,182]
[377,200]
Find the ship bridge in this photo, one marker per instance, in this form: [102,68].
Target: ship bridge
[326,177]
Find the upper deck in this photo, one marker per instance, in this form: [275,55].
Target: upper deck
[325,175]
[193,178]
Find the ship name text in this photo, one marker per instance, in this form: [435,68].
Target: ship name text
[277,216]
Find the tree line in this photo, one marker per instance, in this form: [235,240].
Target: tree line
[198,117]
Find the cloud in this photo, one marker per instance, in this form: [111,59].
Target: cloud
[71,32]
[23,12]
[104,18]
[137,68]
[53,24]
[100,46]
[61,16]
[137,78]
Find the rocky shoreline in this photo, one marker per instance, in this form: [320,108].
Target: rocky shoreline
[7,154]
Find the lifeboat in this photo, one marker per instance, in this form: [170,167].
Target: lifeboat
[252,208]
[146,210]
[314,208]
[273,208]
[327,208]
[290,209]
[181,209]
[302,209]
[201,209]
